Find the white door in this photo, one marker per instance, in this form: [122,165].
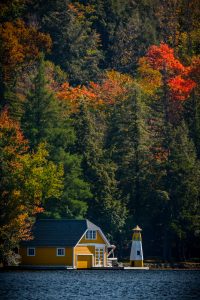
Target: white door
[99,257]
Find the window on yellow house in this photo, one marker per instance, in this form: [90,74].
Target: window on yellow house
[60,252]
[30,251]
[91,235]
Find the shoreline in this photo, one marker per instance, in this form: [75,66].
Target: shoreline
[64,268]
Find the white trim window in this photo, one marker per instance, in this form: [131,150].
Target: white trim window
[60,251]
[30,251]
[91,235]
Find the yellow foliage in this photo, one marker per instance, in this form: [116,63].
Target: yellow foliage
[120,78]
[149,79]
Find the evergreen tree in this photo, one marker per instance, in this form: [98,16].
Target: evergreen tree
[45,120]
[41,112]
[106,207]
[132,37]
[176,185]
[129,144]
[76,45]
[183,188]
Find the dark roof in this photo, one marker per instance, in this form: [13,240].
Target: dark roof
[49,232]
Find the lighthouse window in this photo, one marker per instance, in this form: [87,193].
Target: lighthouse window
[138,252]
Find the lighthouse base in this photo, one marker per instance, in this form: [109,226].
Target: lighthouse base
[137,263]
[136,268]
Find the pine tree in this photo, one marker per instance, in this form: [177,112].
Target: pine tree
[76,45]
[177,179]
[106,207]
[41,110]
[45,120]
[132,37]
[129,143]
[183,187]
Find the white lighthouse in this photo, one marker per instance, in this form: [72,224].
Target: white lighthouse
[136,257]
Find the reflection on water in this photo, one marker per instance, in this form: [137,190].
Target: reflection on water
[77,285]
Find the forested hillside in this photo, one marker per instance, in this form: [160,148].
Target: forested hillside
[100,119]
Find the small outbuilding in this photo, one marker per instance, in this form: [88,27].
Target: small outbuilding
[77,244]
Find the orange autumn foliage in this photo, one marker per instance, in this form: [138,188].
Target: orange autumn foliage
[17,145]
[20,43]
[113,87]
[75,10]
[74,96]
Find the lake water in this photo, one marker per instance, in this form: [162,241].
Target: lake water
[148,285]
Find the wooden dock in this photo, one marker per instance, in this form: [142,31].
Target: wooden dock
[107,268]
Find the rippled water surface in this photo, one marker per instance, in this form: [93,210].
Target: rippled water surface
[74,284]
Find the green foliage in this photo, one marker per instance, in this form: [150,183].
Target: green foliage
[40,110]
[106,208]
[129,145]
[42,182]
[183,185]
[76,45]
[45,121]
[132,38]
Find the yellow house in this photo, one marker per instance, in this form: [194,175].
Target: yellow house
[71,243]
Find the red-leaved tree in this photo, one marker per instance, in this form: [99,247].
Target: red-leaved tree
[175,75]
